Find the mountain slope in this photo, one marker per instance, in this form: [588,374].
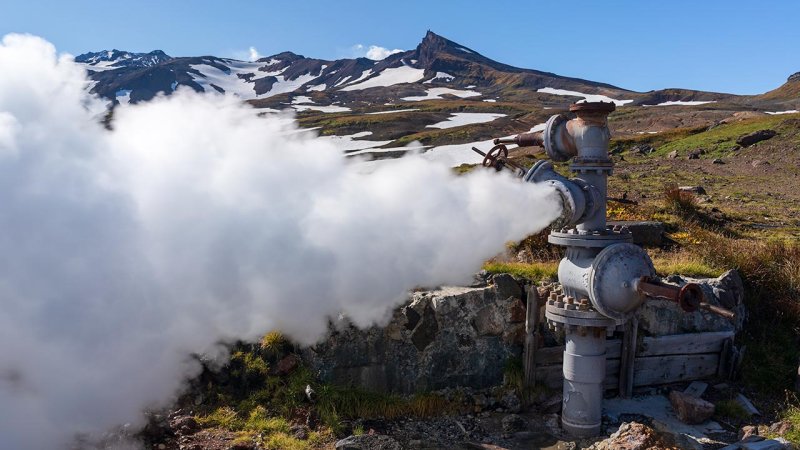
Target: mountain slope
[441,95]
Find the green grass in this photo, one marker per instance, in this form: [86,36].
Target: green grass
[720,139]
[533,271]
[792,415]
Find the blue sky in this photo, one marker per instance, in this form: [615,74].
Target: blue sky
[741,47]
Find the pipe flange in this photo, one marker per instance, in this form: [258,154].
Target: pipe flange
[613,285]
[589,165]
[590,239]
[550,138]
[577,317]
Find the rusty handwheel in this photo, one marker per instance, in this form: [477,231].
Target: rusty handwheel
[490,160]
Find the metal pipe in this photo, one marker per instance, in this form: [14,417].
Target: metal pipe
[584,372]
[523,140]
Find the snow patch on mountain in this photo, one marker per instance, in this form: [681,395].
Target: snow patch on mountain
[436,93]
[790,111]
[440,76]
[228,81]
[681,103]
[321,108]
[586,97]
[393,111]
[283,85]
[460,119]
[389,77]
[301,99]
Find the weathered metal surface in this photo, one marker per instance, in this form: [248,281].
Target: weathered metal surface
[603,277]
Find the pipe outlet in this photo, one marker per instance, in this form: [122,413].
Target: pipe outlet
[578,199]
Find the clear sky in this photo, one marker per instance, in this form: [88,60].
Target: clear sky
[742,47]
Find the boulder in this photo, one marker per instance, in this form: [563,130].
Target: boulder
[635,436]
[300,432]
[698,190]
[506,286]
[287,365]
[780,428]
[645,233]
[368,442]
[756,136]
[513,423]
[695,154]
[673,154]
[642,149]
[690,409]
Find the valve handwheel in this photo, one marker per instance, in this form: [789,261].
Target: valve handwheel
[490,160]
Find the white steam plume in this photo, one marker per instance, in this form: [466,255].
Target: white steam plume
[191,223]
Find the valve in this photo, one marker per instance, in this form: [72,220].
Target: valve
[689,296]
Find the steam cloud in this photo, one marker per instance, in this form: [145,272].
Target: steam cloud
[192,223]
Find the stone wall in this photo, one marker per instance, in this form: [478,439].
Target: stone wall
[452,336]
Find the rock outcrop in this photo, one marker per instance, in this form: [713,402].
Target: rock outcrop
[452,336]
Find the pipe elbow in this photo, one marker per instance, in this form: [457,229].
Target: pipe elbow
[579,200]
[573,196]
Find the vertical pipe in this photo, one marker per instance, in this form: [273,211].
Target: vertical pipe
[584,372]
[597,221]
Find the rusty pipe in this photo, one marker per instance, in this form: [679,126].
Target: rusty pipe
[689,296]
[523,140]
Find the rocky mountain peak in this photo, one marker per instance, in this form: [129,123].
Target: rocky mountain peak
[793,77]
[123,58]
[433,46]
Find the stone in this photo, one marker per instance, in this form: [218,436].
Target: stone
[368,442]
[506,286]
[513,423]
[759,443]
[517,312]
[689,409]
[759,162]
[645,233]
[756,136]
[184,425]
[489,322]
[695,154]
[747,431]
[511,402]
[673,154]
[699,190]
[635,436]
[425,331]
[299,432]
[287,365]
[717,161]
[642,149]
[780,428]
